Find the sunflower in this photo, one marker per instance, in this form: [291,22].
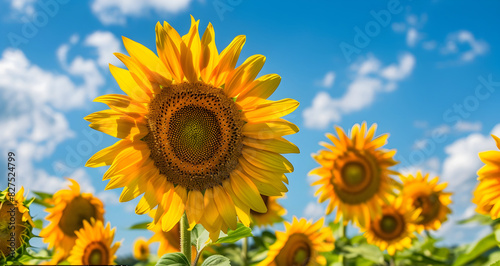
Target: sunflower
[94,245]
[274,214]
[197,134]
[300,244]
[429,196]
[141,249]
[394,229]
[71,209]
[354,174]
[14,219]
[487,193]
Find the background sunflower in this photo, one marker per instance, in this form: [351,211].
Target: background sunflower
[429,197]
[300,244]
[274,214]
[487,192]
[94,245]
[354,173]
[69,212]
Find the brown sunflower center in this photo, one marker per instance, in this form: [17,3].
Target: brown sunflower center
[429,205]
[78,210]
[194,134]
[356,178]
[390,226]
[297,251]
[96,253]
[10,223]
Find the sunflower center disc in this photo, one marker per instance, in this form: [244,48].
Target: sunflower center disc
[296,251]
[96,253]
[388,224]
[353,174]
[430,207]
[77,211]
[301,257]
[194,134]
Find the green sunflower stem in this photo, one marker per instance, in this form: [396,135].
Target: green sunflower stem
[244,251]
[185,237]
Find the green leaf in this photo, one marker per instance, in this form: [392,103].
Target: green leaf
[38,223]
[476,249]
[143,225]
[199,237]
[175,259]
[216,260]
[42,195]
[42,203]
[369,252]
[478,218]
[234,235]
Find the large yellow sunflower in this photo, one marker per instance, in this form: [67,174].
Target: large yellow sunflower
[274,214]
[71,209]
[197,134]
[300,244]
[487,193]
[354,173]
[429,197]
[394,229]
[14,219]
[94,245]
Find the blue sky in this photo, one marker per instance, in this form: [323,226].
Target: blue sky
[425,71]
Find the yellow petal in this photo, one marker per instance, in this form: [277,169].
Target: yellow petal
[168,47]
[271,178]
[270,110]
[123,127]
[209,56]
[123,104]
[225,206]
[259,89]
[107,155]
[128,84]
[242,210]
[228,58]
[241,77]
[266,160]
[247,192]
[190,52]
[138,74]
[150,64]
[194,207]
[270,129]
[278,145]
[175,208]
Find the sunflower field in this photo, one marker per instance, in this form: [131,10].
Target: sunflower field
[202,146]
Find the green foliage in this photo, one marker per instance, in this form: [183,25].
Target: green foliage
[173,259]
[216,260]
[476,249]
[139,226]
[234,235]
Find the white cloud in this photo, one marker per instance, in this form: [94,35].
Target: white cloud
[116,11]
[328,80]
[23,6]
[463,37]
[106,44]
[412,37]
[369,79]
[313,211]
[32,101]
[464,126]
[463,161]
[429,45]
